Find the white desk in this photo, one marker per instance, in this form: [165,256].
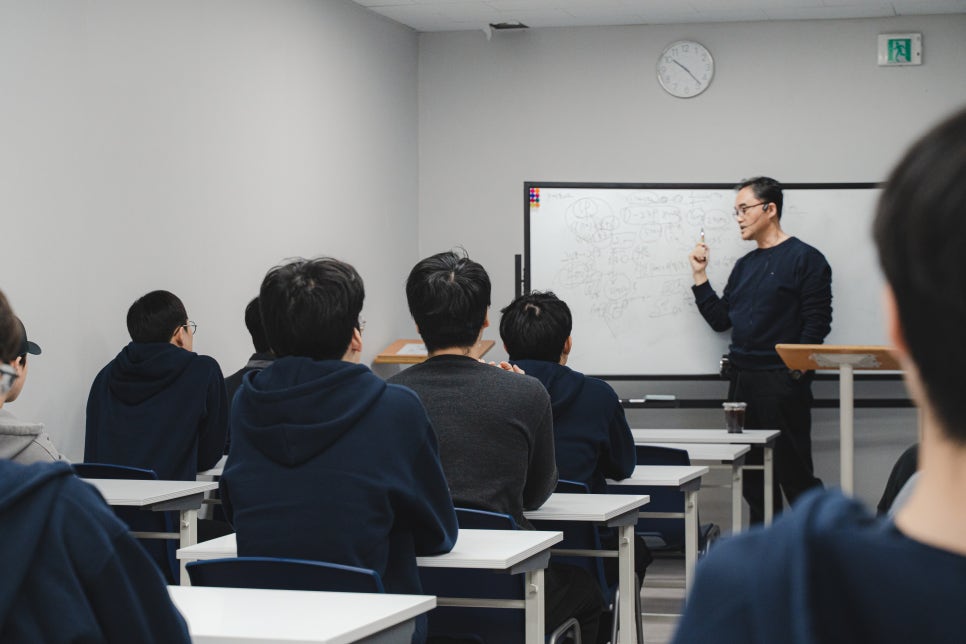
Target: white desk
[515,551]
[687,478]
[764,437]
[247,616]
[159,496]
[616,510]
[719,456]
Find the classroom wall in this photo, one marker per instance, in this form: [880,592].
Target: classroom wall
[190,146]
[803,101]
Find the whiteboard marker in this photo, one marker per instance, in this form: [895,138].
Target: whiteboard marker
[702,234]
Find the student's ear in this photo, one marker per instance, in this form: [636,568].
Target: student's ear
[486,318]
[567,347]
[177,339]
[354,351]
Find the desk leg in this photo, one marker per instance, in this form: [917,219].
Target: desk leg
[769,456]
[536,597]
[846,433]
[737,479]
[189,537]
[690,537]
[629,616]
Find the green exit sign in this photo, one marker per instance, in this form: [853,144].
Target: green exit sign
[900,49]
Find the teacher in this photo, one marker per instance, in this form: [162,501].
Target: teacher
[779,292]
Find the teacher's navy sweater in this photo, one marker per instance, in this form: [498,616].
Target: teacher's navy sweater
[159,407]
[69,570]
[592,440]
[781,294]
[329,462]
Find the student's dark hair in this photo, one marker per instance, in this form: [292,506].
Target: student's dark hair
[448,296]
[9,332]
[253,320]
[155,317]
[536,327]
[310,307]
[920,232]
[766,189]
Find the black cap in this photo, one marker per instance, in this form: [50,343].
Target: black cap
[26,346]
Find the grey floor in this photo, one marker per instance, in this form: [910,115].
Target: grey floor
[662,599]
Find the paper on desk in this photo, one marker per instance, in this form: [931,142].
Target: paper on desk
[414,349]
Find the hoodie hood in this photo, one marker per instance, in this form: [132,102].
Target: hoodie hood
[26,502]
[142,370]
[298,407]
[563,383]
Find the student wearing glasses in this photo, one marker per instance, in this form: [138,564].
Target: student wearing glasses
[779,292]
[160,406]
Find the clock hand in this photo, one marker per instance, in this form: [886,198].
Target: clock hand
[674,60]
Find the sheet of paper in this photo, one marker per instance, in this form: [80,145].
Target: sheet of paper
[414,349]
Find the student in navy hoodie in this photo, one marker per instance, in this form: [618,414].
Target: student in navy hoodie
[161,407]
[158,405]
[592,440]
[70,570]
[328,461]
[827,570]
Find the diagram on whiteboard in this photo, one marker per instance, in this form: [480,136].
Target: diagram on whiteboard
[619,257]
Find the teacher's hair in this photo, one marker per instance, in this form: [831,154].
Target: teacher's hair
[920,232]
[9,331]
[766,189]
[536,327]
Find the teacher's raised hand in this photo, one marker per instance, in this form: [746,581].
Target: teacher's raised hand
[699,262]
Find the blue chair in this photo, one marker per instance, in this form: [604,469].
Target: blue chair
[668,534]
[585,536]
[283,574]
[483,625]
[162,549]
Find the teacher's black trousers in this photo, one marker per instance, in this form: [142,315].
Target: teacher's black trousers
[777,399]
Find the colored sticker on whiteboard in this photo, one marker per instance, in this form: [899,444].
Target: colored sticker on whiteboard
[534,197]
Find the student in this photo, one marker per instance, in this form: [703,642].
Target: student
[158,405]
[71,572]
[495,428]
[263,355]
[328,461]
[828,571]
[20,440]
[592,440]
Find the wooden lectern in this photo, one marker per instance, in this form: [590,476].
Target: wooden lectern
[845,358]
[414,352]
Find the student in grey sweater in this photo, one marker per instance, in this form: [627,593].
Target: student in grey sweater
[21,440]
[495,428]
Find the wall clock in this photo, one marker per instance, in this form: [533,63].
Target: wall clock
[685,68]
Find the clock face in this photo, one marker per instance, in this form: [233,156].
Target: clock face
[685,69]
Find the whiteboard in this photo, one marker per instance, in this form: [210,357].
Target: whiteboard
[618,255]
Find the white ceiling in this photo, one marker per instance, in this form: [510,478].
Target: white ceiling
[456,15]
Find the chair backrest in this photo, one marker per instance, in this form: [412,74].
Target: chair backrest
[107,471]
[283,574]
[485,625]
[484,520]
[572,487]
[660,534]
[163,552]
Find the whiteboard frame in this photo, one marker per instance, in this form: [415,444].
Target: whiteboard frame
[527,185]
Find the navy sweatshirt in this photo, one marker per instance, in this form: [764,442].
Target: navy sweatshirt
[159,407]
[592,440]
[774,295]
[70,571]
[328,462]
[827,571]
